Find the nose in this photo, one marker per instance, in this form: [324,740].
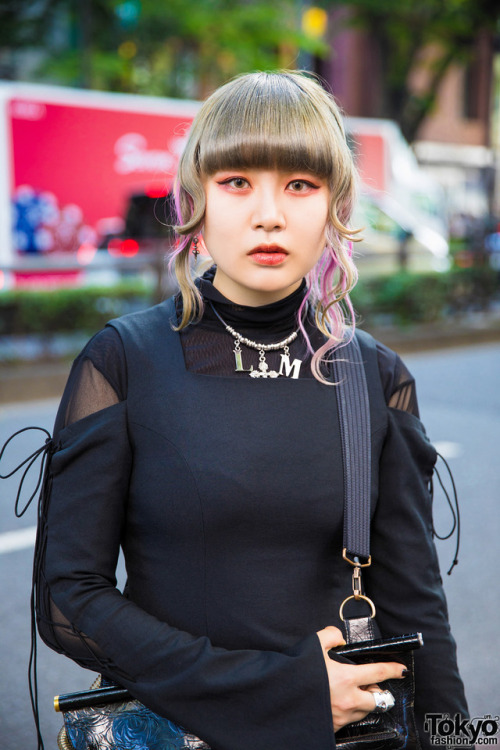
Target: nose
[268,212]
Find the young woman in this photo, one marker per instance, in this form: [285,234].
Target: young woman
[203,439]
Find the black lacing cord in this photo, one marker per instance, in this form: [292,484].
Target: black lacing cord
[43,479]
[33,671]
[455,511]
[36,611]
[30,460]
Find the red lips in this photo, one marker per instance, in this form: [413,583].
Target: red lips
[268,255]
[268,249]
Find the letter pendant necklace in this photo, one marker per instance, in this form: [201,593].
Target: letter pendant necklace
[287,369]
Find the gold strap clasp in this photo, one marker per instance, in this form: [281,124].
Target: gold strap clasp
[357,586]
[357,590]
[356,562]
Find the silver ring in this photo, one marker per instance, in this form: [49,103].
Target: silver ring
[384,701]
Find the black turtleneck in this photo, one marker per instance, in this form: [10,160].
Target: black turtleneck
[278,317]
[99,375]
[208,347]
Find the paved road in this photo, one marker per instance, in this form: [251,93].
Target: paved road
[459,394]
[460,404]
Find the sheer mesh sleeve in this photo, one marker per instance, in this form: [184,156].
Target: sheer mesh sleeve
[397,381]
[98,379]
[97,382]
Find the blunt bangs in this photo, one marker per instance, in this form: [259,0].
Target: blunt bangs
[269,122]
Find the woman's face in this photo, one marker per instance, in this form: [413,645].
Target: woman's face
[265,230]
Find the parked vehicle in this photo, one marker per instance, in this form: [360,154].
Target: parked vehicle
[402,209]
[146,239]
[74,160]
[88,174]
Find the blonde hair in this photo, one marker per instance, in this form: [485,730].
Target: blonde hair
[281,120]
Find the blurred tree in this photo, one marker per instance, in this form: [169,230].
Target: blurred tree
[409,35]
[179,48]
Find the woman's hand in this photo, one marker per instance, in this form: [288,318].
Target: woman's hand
[351,685]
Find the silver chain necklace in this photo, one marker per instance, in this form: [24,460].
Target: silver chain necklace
[287,369]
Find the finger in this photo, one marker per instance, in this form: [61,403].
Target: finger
[369,674]
[330,637]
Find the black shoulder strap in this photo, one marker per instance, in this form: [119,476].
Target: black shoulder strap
[354,417]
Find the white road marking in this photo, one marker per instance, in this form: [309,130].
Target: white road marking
[11,541]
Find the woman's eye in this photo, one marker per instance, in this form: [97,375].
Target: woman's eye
[236,182]
[300,186]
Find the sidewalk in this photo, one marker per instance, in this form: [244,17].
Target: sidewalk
[32,381]
[37,380]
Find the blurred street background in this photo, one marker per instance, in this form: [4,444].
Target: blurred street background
[96,99]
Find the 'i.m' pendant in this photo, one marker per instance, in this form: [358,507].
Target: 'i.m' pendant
[287,369]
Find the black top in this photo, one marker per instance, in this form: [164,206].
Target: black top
[226,494]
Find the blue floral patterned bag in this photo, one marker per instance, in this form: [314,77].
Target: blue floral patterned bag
[124,724]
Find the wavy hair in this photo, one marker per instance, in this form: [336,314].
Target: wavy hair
[280,120]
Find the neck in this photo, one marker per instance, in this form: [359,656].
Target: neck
[279,317]
[250,297]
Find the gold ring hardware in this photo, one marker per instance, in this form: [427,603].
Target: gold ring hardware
[353,562]
[357,598]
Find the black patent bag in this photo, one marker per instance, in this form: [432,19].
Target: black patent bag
[395,728]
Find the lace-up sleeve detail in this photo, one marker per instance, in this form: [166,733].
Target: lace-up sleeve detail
[91,409]
[397,381]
